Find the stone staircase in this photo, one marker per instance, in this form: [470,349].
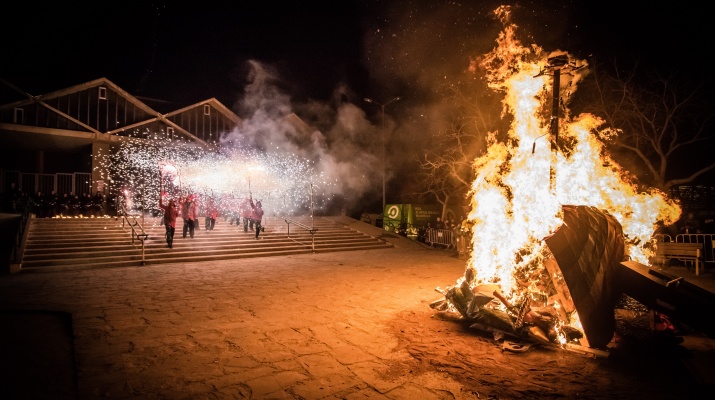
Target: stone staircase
[55,244]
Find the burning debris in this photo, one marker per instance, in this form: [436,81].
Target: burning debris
[552,220]
[580,272]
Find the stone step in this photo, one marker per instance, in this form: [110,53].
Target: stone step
[150,248]
[80,243]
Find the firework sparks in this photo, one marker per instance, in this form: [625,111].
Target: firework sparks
[283,183]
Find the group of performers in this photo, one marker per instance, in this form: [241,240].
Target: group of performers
[247,214]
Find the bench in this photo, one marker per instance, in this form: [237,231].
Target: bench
[682,251]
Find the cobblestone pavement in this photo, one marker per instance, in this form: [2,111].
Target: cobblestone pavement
[343,325]
[304,326]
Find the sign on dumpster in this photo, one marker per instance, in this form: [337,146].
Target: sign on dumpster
[425,213]
[413,215]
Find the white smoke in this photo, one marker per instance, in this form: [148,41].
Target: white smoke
[335,138]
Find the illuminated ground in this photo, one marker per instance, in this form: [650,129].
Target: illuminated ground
[335,325]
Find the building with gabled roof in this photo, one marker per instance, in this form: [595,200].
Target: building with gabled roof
[44,135]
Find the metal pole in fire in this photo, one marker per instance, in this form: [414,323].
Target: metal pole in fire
[555,63]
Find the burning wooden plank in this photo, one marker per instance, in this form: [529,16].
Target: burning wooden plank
[586,252]
[588,248]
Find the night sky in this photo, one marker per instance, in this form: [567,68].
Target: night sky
[189,52]
[319,54]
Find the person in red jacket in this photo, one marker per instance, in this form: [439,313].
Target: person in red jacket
[170,214]
[189,213]
[245,210]
[211,214]
[257,216]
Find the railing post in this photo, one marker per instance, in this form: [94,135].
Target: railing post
[697,262]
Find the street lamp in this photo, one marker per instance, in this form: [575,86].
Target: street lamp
[382,107]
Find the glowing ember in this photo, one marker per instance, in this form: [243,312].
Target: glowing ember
[521,185]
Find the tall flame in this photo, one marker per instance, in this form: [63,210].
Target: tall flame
[520,185]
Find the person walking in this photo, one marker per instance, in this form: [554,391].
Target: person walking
[245,210]
[170,214]
[189,214]
[257,216]
[211,214]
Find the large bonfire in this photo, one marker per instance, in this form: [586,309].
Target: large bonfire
[524,187]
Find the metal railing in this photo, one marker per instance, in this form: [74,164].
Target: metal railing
[61,183]
[443,237]
[707,240]
[310,229]
[137,230]
[19,240]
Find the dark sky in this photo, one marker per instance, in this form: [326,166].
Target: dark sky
[318,51]
[184,52]
[190,52]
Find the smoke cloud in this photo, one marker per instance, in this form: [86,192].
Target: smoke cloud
[421,54]
[335,138]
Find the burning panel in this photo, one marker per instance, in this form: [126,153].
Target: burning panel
[576,293]
[588,248]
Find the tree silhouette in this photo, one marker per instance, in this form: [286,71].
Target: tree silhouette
[663,124]
[447,166]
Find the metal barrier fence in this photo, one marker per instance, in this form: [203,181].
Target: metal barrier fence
[706,239]
[443,237]
[31,183]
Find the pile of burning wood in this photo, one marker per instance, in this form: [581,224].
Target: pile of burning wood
[585,278]
[488,309]
[571,300]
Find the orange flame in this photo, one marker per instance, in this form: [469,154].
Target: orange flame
[516,200]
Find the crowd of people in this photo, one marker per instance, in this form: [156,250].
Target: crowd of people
[246,214]
[53,205]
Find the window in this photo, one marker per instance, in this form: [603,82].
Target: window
[18,116]
[102,93]
[207,109]
[170,131]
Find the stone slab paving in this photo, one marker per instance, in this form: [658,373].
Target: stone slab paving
[304,326]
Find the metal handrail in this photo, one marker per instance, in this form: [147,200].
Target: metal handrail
[310,229]
[20,236]
[137,233]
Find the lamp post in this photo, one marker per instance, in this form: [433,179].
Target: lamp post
[382,107]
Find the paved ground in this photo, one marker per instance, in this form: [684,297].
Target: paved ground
[310,325]
[345,325]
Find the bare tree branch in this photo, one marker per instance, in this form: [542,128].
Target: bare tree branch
[661,121]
